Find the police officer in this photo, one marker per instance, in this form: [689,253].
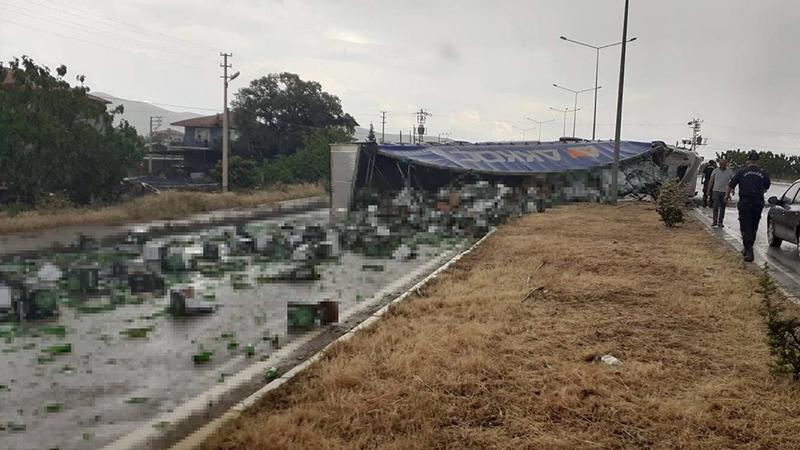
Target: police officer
[753,182]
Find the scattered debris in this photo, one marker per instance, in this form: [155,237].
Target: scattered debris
[202,357]
[532,292]
[137,332]
[610,360]
[58,349]
[54,407]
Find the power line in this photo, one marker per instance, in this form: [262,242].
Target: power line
[37,15]
[182,106]
[119,22]
[753,130]
[3,19]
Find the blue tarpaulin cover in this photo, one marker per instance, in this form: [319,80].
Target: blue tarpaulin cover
[518,159]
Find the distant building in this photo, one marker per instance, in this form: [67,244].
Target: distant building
[205,131]
[167,136]
[195,152]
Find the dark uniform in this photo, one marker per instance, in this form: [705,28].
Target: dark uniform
[753,182]
[706,181]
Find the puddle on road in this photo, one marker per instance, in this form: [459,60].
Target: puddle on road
[107,364]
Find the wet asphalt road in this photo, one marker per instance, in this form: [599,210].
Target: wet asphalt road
[783,261]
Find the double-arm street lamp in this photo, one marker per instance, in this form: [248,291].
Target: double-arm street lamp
[565,111]
[575,107]
[523,130]
[596,72]
[540,123]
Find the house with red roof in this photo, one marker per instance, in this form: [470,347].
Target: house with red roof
[206,131]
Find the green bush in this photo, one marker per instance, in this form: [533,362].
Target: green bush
[671,203]
[309,164]
[783,335]
[242,173]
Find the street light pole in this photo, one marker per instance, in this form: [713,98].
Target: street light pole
[617,132]
[575,108]
[597,49]
[523,130]
[565,111]
[540,123]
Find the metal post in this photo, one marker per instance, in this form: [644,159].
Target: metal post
[596,78]
[615,166]
[575,113]
[596,73]
[540,123]
[383,127]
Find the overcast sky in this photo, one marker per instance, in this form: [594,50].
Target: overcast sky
[479,67]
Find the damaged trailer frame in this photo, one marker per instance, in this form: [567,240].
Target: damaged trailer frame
[568,164]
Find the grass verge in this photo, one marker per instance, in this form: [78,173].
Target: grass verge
[470,364]
[167,205]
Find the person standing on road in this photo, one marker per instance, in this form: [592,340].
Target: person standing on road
[753,182]
[720,178]
[706,181]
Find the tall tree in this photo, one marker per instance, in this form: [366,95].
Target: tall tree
[276,112]
[55,138]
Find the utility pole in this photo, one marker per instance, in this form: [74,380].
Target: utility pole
[225,125]
[383,127]
[422,115]
[618,131]
[564,111]
[697,137]
[155,122]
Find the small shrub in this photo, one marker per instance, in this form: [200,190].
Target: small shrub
[55,201]
[671,203]
[783,335]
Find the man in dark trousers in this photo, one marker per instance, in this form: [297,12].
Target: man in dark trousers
[753,183]
[707,171]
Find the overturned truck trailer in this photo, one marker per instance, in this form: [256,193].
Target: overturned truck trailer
[566,170]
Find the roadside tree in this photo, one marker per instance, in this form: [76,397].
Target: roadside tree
[277,112]
[55,138]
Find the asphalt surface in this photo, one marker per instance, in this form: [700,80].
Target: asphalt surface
[783,262]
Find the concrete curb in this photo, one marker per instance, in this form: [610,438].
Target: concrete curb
[149,435]
[201,435]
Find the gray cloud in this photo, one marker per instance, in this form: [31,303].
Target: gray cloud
[477,66]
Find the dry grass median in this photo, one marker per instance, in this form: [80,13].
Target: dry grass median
[166,205]
[470,365]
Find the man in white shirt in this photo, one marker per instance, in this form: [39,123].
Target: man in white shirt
[720,178]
